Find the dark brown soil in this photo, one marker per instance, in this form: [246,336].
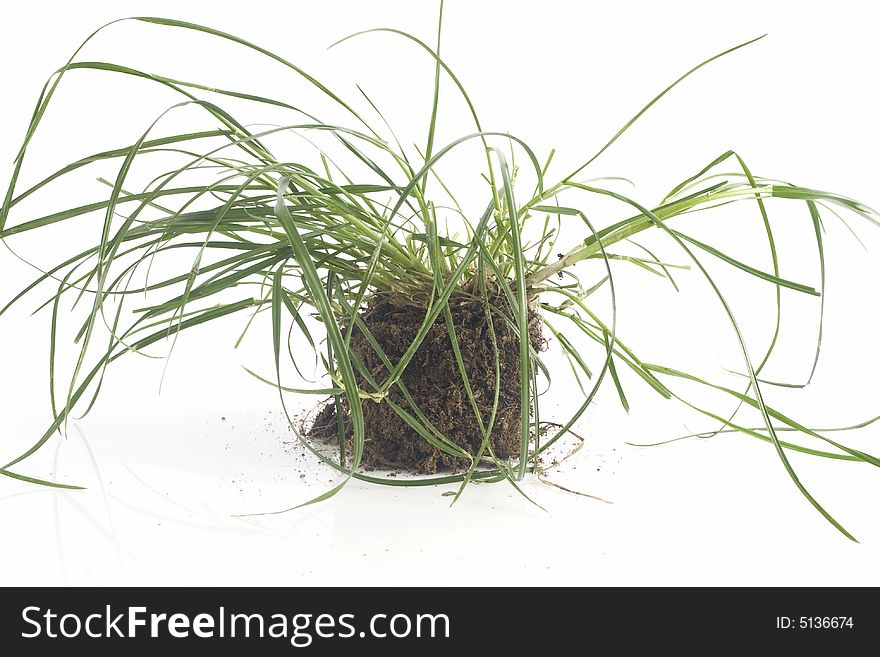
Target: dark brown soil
[435,383]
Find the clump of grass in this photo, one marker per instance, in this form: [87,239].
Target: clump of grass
[317,238]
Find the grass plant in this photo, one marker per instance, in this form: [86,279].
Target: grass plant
[307,242]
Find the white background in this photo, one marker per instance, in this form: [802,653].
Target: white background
[167,473]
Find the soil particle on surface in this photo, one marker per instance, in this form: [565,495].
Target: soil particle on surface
[434,382]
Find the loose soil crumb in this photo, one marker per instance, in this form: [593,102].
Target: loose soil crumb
[434,382]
